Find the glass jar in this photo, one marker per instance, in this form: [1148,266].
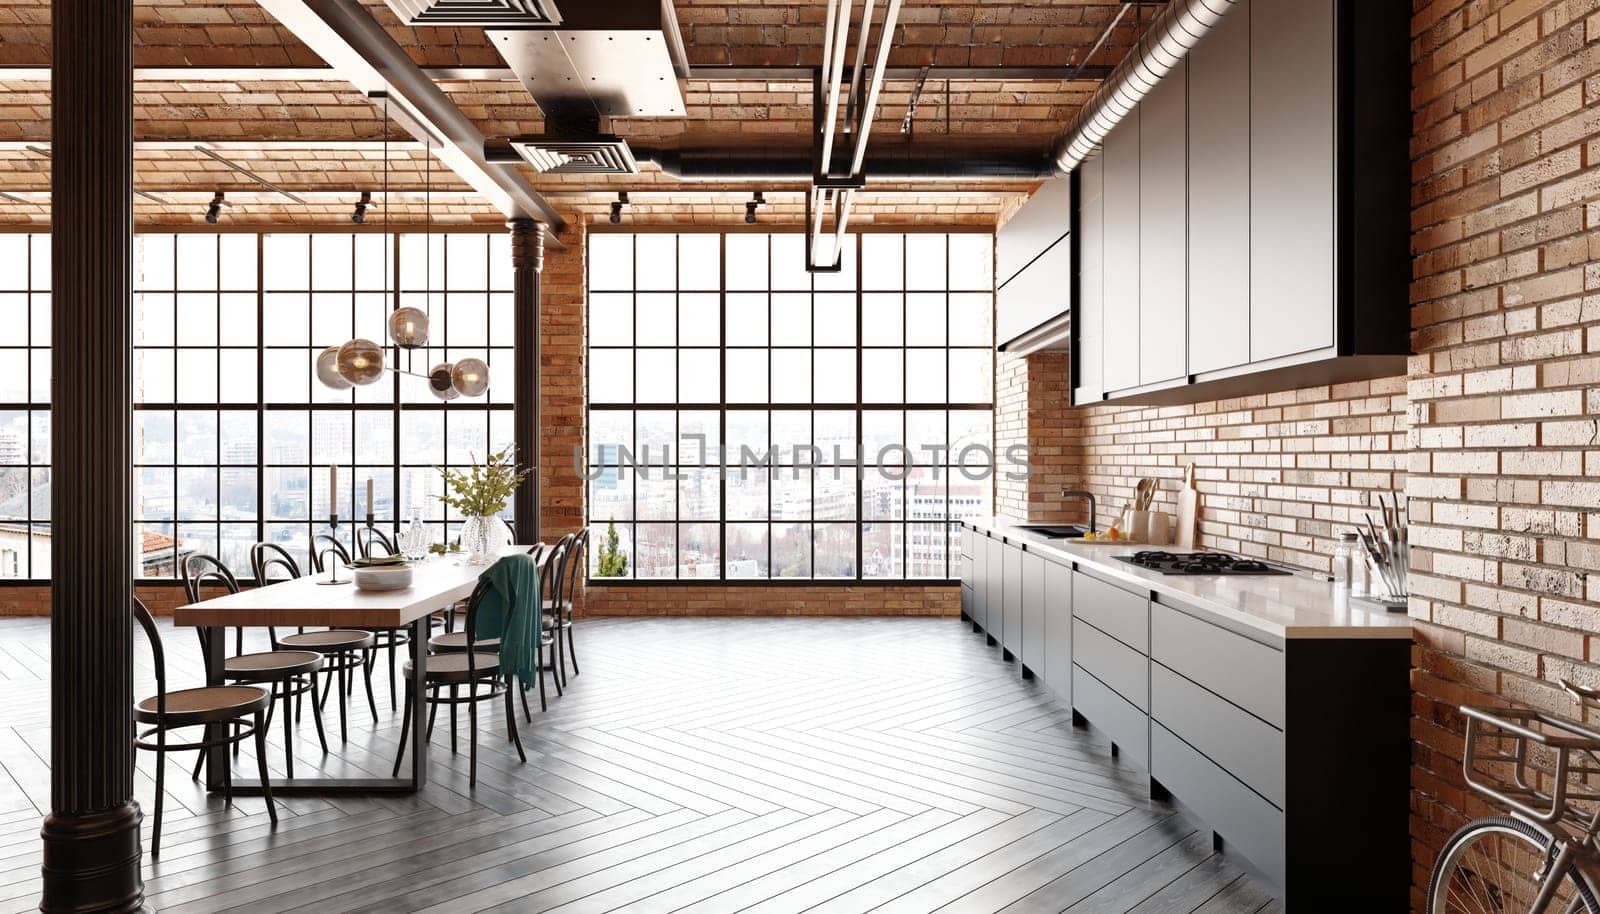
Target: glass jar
[1347,558]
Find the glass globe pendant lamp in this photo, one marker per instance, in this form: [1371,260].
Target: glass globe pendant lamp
[441,381]
[328,369]
[360,362]
[408,327]
[471,377]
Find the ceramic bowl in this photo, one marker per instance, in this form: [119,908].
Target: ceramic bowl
[382,578]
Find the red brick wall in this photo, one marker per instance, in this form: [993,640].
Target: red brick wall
[1032,399]
[1505,390]
[1280,475]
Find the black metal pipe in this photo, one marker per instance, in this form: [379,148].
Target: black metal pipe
[796,165]
[91,836]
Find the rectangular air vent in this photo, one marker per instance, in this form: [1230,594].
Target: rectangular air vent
[486,13]
[600,155]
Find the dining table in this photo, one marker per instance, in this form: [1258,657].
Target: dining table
[437,582]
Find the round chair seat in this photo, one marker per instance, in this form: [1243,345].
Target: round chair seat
[455,642]
[452,668]
[203,706]
[337,641]
[271,665]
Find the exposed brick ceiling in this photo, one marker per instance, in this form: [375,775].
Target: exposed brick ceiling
[1019,114]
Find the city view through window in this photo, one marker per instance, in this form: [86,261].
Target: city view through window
[749,420]
[232,434]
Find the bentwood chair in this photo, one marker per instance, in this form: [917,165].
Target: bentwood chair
[550,578]
[455,642]
[290,672]
[236,713]
[370,538]
[560,602]
[476,671]
[344,650]
[372,541]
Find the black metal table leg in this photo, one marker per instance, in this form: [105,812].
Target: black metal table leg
[217,760]
[419,698]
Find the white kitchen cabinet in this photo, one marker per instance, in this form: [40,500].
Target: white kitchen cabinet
[1038,224]
[1037,295]
[1088,317]
[1163,230]
[1292,177]
[1011,600]
[1120,275]
[1058,630]
[994,587]
[1033,610]
[1219,195]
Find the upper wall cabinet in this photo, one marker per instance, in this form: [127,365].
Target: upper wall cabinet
[1219,203]
[1120,260]
[1163,231]
[1088,315]
[1033,266]
[1292,161]
[1247,227]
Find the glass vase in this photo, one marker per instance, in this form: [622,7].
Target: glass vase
[483,539]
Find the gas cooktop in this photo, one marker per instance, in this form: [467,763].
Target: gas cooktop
[1199,563]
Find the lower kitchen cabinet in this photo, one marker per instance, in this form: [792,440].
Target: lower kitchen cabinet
[1058,630]
[1294,752]
[1011,600]
[1031,649]
[993,579]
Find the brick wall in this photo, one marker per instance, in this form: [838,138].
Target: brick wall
[1280,475]
[1505,389]
[1031,408]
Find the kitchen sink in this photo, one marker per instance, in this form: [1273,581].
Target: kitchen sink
[1054,532]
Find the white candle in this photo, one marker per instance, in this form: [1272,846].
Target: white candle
[333,490]
[369,498]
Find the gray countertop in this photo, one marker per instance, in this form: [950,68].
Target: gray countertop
[1283,606]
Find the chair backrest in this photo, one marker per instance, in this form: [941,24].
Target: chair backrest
[200,571]
[369,537]
[321,546]
[471,626]
[142,616]
[576,561]
[265,558]
[554,570]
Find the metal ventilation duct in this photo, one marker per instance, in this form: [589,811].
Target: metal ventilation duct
[486,13]
[596,155]
[1177,29]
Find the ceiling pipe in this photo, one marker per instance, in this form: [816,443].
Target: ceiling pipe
[796,165]
[1177,29]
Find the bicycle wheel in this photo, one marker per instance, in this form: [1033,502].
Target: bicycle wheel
[1491,866]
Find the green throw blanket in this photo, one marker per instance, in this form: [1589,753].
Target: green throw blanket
[509,610]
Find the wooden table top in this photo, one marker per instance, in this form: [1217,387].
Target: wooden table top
[436,583]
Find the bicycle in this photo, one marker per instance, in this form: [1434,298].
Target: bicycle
[1543,856]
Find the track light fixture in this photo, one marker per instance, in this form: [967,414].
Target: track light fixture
[617,205]
[359,217]
[214,211]
[756,202]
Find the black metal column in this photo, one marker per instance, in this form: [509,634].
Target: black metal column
[527,262]
[91,837]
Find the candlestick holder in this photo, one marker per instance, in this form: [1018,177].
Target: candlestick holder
[333,554]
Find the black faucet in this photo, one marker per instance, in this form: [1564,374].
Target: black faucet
[1069,493]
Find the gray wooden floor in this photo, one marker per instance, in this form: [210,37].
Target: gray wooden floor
[695,765]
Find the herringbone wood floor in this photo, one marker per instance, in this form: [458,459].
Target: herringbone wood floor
[696,765]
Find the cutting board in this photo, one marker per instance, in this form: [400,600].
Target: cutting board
[1188,510]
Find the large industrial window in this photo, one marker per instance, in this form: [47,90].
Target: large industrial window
[748,420]
[24,406]
[233,434]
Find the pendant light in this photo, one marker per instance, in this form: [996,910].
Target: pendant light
[408,326]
